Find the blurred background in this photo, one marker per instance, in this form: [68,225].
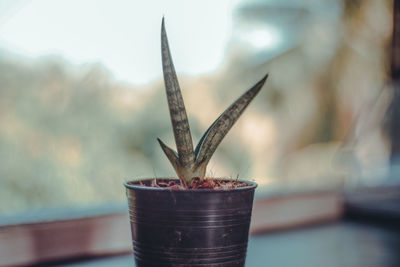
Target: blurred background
[82,99]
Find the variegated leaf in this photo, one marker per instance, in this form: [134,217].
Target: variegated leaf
[217,131]
[176,105]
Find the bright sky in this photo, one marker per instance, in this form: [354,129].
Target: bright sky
[124,35]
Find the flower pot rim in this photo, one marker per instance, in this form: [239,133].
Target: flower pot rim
[128,185]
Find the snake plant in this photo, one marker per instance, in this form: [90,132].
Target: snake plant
[188,163]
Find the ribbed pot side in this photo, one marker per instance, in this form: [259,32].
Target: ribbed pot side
[189,227]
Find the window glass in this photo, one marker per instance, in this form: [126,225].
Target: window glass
[82,99]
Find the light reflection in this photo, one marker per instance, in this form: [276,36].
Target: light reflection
[268,37]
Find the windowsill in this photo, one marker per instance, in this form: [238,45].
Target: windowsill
[333,244]
[66,233]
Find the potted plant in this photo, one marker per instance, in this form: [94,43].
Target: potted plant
[193,220]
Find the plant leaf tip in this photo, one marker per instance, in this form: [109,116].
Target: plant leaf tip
[262,81]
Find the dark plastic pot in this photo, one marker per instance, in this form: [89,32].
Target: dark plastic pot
[200,227]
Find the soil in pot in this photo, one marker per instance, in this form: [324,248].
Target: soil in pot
[206,183]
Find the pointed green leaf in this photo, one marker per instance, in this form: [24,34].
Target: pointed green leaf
[180,124]
[217,131]
[171,154]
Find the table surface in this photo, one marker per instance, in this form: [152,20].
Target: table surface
[341,244]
